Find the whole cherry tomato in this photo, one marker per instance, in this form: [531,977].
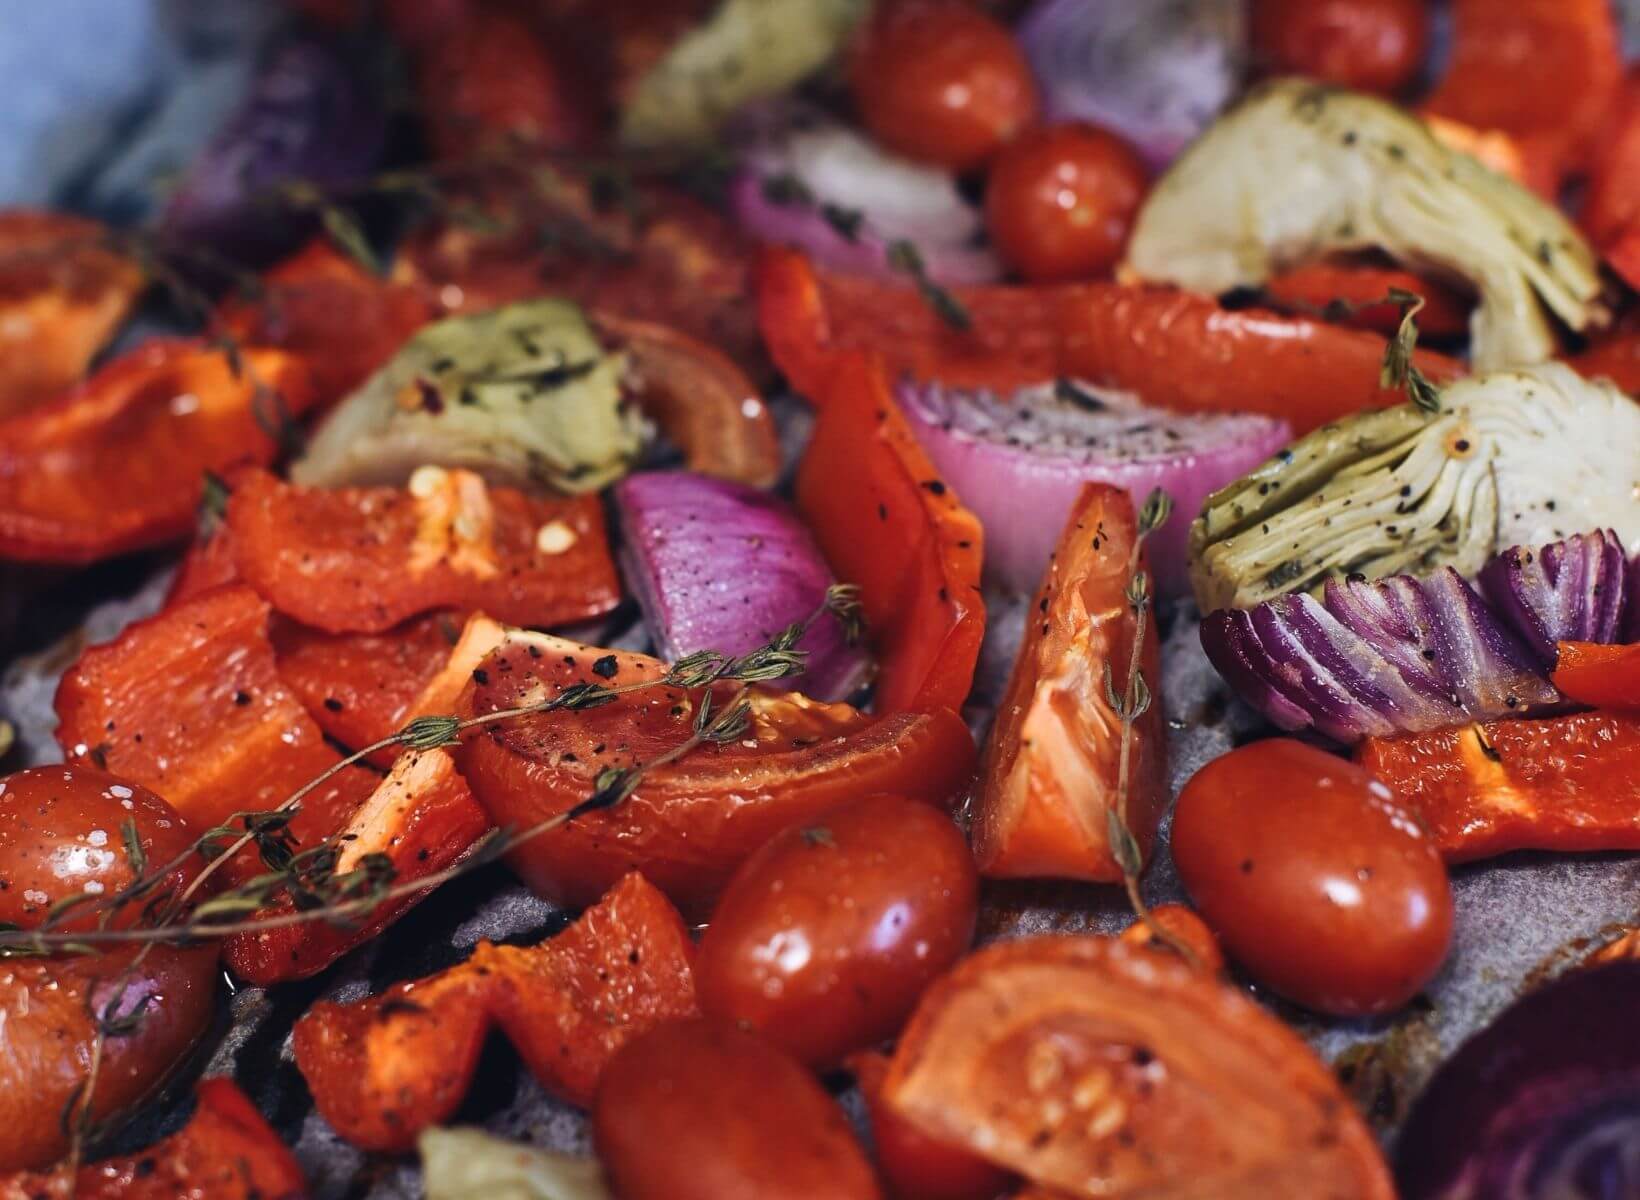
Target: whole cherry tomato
[826,936]
[941,82]
[698,1110]
[1370,45]
[1316,880]
[1184,928]
[916,1166]
[1061,200]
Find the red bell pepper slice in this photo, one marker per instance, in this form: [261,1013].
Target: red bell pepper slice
[1615,356]
[226,1151]
[1611,204]
[327,310]
[208,564]
[189,703]
[361,560]
[422,816]
[383,1069]
[1598,675]
[1174,349]
[1309,290]
[886,523]
[63,293]
[118,464]
[1559,783]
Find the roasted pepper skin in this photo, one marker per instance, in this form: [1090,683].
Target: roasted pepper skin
[1599,675]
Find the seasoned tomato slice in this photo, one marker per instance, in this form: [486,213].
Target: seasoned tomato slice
[1095,1068]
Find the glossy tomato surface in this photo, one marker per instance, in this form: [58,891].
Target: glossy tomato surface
[1369,45]
[825,937]
[914,1165]
[1061,199]
[939,81]
[1316,880]
[699,1110]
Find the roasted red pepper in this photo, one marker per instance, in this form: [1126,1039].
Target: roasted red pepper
[1598,675]
[189,703]
[422,817]
[1175,349]
[1614,356]
[1315,289]
[118,464]
[887,523]
[383,1069]
[63,293]
[361,560]
[1611,204]
[690,823]
[1560,783]
[226,1151]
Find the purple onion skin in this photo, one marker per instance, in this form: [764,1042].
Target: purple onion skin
[1543,1103]
[307,118]
[721,566]
[1631,632]
[1569,591]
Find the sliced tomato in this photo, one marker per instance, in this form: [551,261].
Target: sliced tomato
[226,1151]
[63,293]
[383,1069]
[1049,778]
[361,560]
[915,1165]
[1599,676]
[118,464]
[1095,1068]
[691,823]
[888,524]
[1182,927]
[1557,783]
[1174,349]
[1319,287]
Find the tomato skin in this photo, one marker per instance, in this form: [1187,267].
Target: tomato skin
[1181,923]
[1369,45]
[916,1166]
[825,937]
[941,82]
[699,1110]
[1061,199]
[1318,883]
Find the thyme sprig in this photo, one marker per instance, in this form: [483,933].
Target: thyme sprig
[1399,370]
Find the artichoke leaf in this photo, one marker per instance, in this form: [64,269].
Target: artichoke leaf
[469,1164]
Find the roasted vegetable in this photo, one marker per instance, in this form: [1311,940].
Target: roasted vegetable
[1521,457]
[1299,170]
[1571,591]
[522,394]
[1602,676]
[469,1164]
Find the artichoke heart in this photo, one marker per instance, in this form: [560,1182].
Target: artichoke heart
[1518,457]
[469,1164]
[523,394]
[1299,170]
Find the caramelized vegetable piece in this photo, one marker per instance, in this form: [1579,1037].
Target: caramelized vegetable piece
[1181,924]
[118,463]
[1174,349]
[699,1110]
[1097,1069]
[226,1151]
[385,1068]
[1354,291]
[1050,779]
[1559,783]
[190,703]
[1598,675]
[915,1166]
[881,895]
[63,834]
[1611,205]
[63,293]
[887,523]
[690,823]
[360,560]
[422,817]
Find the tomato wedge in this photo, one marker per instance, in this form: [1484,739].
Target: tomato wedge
[1049,778]
[915,1165]
[361,560]
[118,464]
[1094,1068]
[383,1069]
[63,293]
[1175,349]
[226,1151]
[1598,675]
[1558,783]
[886,523]
[690,823]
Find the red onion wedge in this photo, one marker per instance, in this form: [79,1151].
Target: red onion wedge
[1156,73]
[1571,591]
[809,182]
[721,566]
[1019,463]
[1631,630]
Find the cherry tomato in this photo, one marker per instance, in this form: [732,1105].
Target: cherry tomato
[941,82]
[697,1110]
[916,1166]
[826,936]
[1180,923]
[1061,200]
[1369,45]
[1316,880]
